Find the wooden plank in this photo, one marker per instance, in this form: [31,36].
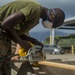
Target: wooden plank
[59,65]
[53,64]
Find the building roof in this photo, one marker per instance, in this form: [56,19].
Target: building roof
[69,21]
[68,24]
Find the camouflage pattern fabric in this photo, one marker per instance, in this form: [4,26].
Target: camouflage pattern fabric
[5,50]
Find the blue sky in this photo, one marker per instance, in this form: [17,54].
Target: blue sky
[68,6]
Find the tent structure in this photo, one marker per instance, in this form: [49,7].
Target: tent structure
[69,24]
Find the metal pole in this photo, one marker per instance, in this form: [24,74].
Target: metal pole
[50,36]
[53,35]
[72,49]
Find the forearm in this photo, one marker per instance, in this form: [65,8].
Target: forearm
[14,36]
[32,40]
[28,38]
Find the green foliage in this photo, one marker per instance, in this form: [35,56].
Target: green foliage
[47,40]
[66,41]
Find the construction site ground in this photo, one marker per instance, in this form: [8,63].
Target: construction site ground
[27,69]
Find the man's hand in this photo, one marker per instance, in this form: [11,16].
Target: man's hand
[26,45]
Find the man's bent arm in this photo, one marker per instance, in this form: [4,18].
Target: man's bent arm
[8,26]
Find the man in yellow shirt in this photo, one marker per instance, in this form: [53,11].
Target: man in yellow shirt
[18,17]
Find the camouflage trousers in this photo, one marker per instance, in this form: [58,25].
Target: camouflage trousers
[5,50]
